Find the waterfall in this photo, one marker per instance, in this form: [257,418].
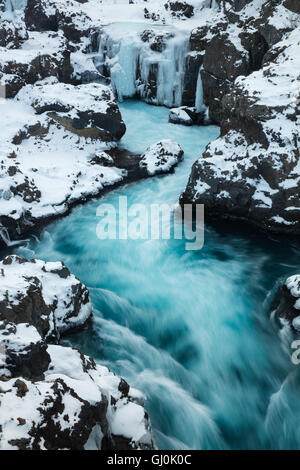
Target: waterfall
[152,69]
[12,5]
[4,235]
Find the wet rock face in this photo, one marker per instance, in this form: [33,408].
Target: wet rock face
[287,302]
[53,397]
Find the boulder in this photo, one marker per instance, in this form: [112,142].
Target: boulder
[89,110]
[180,116]
[53,397]
[286,304]
[44,295]
[161,157]
[40,56]
[54,15]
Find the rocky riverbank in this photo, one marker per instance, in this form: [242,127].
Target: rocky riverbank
[53,397]
[57,128]
[252,171]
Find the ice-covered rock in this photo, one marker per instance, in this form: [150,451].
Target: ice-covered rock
[88,110]
[252,171]
[180,116]
[53,397]
[161,157]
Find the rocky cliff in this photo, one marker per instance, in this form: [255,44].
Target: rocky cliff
[252,171]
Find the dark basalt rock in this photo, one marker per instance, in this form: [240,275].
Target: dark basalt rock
[292,5]
[157,41]
[219,75]
[74,437]
[11,35]
[42,15]
[29,304]
[15,74]
[180,9]
[283,305]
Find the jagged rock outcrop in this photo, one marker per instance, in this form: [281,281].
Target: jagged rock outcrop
[12,35]
[53,397]
[239,36]
[179,9]
[252,170]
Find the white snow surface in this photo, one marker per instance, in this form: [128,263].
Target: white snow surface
[161,157]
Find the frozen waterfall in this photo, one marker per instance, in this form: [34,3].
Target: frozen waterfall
[145,63]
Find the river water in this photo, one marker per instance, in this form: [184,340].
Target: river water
[191,329]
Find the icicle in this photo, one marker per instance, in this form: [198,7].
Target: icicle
[13,5]
[4,235]
[136,69]
[199,105]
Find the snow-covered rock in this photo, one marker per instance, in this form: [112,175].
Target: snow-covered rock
[286,305]
[88,110]
[252,171]
[53,15]
[41,55]
[45,295]
[53,397]
[12,35]
[180,116]
[161,157]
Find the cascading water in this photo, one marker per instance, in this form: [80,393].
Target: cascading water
[148,63]
[13,5]
[4,235]
[190,329]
